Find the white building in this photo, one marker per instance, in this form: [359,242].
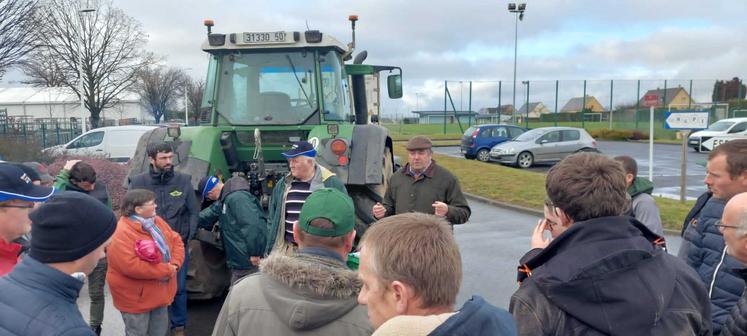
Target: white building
[57,103]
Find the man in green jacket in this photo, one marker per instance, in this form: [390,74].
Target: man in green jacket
[242,222]
[290,193]
[423,186]
[79,176]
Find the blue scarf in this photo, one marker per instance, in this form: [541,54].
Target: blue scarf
[149,224]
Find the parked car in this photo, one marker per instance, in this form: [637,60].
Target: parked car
[543,145]
[479,139]
[116,143]
[732,127]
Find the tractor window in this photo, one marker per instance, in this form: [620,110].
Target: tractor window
[267,88]
[334,88]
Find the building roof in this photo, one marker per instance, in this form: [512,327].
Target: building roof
[532,106]
[576,104]
[670,94]
[46,95]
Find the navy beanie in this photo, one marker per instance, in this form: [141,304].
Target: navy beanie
[69,226]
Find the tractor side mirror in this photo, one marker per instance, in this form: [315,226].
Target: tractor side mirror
[394,85]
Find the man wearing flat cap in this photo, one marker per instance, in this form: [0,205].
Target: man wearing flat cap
[290,193]
[423,186]
[311,291]
[71,232]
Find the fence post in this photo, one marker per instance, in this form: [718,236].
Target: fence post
[527,122]
[557,85]
[637,103]
[44,134]
[612,84]
[583,108]
[470,105]
[690,95]
[25,135]
[57,130]
[499,103]
[446,91]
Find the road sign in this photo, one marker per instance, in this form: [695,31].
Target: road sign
[714,142]
[651,99]
[687,120]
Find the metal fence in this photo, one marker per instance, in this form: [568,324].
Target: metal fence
[590,104]
[41,132]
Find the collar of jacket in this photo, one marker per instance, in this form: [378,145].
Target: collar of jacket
[640,186]
[35,274]
[607,233]
[9,250]
[160,176]
[318,275]
[234,184]
[429,172]
[321,174]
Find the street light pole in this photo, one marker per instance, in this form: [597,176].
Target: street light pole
[84,9]
[519,11]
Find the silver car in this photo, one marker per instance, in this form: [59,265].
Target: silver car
[543,145]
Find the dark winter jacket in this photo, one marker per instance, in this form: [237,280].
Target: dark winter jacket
[36,299]
[707,255]
[407,194]
[303,294]
[99,192]
[607,276]
[476,318]
[323,178]
[736,322]
[243,225]
[643,206]
[175,197]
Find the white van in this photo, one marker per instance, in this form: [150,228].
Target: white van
[719,132]
[116,143]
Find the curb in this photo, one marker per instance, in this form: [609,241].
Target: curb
[518,208]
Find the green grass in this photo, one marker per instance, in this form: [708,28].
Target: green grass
[526,188]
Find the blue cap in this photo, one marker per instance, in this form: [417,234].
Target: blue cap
[206,184]
[300,148]
[15,184]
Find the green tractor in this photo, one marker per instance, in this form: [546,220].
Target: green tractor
[264,91]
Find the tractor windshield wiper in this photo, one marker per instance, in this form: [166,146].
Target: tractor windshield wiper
[293,68]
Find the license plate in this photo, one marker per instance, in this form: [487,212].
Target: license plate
[266,38]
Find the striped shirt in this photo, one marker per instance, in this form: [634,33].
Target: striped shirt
[297,195]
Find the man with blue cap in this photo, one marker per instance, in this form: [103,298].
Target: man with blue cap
[242,222]
[18,195]
[290,193]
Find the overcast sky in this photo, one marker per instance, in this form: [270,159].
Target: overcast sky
[436,40]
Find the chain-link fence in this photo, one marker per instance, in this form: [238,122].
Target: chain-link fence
[590,104]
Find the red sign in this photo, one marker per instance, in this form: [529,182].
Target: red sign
[650,100]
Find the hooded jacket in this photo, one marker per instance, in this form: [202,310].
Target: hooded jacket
[303,294]
[706,253]
[242,221]
[605,276]
[99,192]
[323,178]
[36,299]
[175,196]
[643,206]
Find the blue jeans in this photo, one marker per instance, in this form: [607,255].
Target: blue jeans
[178,308]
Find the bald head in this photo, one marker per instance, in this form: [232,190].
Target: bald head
[734,226]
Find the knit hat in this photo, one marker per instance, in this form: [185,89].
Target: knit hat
[15,184]
[300,148]
[69,226]
[206,184]
[419,142]
[330,204]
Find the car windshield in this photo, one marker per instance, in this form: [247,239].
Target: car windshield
[267,88]
[531,135]
[720,126]
[469,131]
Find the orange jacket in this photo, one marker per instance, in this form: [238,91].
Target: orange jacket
[138,286]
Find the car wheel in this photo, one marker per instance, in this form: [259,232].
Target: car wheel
[524,160]
[483,155]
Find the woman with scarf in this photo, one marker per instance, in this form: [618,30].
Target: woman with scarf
[144,258]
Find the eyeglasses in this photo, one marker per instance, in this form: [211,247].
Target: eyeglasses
[721,225]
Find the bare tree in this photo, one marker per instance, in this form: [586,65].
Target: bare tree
[160,88]
[195,90]
[112,52]
[17,31]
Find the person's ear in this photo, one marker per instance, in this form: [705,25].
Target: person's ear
[349,240]
[563,218]
[296,231]
[401,294]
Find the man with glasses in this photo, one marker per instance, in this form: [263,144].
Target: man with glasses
[703,245]
[733,225]
[17,197]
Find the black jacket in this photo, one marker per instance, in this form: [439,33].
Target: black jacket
[607,276]
[736,323]
[175,197]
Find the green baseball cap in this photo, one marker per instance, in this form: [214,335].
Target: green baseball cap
[332,205]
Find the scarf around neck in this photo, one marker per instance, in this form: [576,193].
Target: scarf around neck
[149,224]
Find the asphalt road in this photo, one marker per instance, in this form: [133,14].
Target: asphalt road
[666,165]
[491,244]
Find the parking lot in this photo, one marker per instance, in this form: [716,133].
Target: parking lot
[666,165]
